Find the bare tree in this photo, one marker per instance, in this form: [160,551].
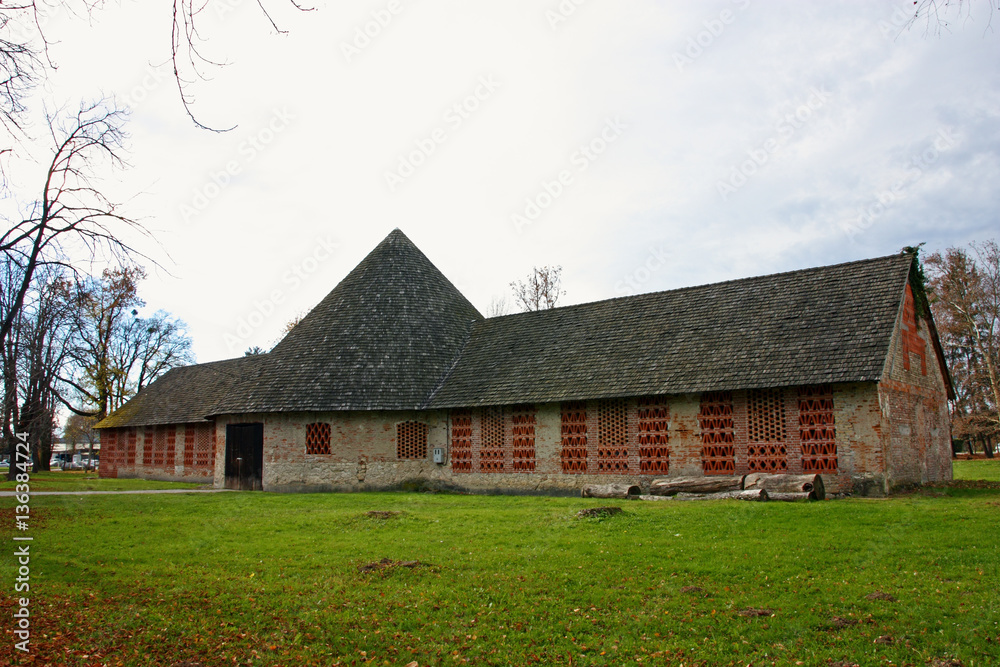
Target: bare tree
[498,307]
[937,15]
[541,290]
[72,214]
[965,299]
[117,353]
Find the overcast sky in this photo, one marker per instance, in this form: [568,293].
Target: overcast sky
[641,145]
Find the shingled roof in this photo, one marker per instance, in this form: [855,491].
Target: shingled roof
[395,334]
[383,339]
[183,395]
[828,324]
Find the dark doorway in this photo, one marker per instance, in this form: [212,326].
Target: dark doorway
[244,456]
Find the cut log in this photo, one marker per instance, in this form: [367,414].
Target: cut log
[791,497]
[626,491]
[786,484]
[668,486]
[752,494]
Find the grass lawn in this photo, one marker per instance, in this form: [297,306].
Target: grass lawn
[988,469]
[266,579]
[78,480]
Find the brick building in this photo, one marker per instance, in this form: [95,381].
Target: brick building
[395,377]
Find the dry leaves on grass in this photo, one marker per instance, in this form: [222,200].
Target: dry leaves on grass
[841,663]
[753,612]
[388,564]
[382,514]
[879,595]
[944,662]
[599,511]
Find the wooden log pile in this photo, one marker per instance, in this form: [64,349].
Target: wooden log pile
[756,487]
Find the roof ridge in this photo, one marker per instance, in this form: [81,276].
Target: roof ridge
[688,288]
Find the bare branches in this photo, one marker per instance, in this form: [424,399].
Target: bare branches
[542,289]
[72,214]
[935,14]
[190,64]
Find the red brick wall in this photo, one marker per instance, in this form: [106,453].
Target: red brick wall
[159,452]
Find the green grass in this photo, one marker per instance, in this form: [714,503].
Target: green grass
[263,579]
[985,469]
[78,480]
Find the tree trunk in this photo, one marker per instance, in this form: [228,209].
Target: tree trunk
[792,497]
[752,494]
[624,491]
[786,484]
[668,486]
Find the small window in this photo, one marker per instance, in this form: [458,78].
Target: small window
[317,438]
[411,440]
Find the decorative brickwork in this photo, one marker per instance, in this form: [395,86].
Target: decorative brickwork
[912,342]
[654,419]
[491,452]
[766,448]
[130,452]
[523,420]
[817,432]
[204,446]
[461,441]
[411,440]
[171,455]
[573,455]
[318,439]
[612,436]
[718,440]
[147,446]
[189,446]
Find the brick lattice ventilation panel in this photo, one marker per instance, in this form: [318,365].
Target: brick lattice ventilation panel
[654,418]
[121,447]
[318,438]
[159,446]
[171,457]
[147,446]
[766,449]
[523,420]
[411,440]
[612,436]
[461,441]
[718,439]
[573,455]
[816,429]
[204,446]
[189,431]
[110,449]
[132,436]
[491,453]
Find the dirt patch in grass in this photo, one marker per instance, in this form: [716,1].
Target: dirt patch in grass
[945,662]
[599,512]
[754,612]
[694,590]
[884,639]
[879,595]
[383,514]
[841,623]
[388,564]
[841,663]
[36,519]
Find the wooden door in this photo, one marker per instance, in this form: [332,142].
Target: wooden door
[244,457]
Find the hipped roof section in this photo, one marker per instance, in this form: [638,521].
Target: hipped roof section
[395,334]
